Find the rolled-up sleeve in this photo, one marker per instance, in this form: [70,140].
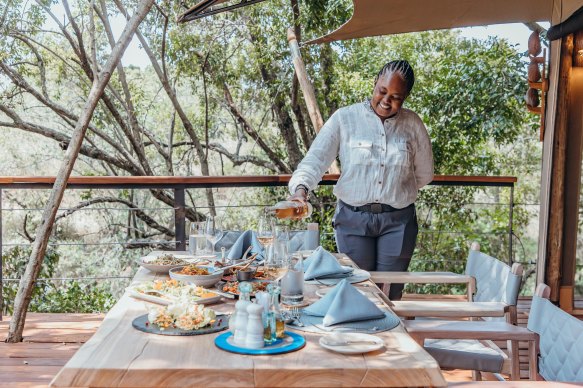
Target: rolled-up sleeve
[323,151]
[423,158]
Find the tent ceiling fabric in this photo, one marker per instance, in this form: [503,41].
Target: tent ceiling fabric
[384,17]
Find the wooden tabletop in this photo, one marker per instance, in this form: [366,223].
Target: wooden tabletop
[120,356]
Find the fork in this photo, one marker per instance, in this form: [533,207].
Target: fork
[295,314]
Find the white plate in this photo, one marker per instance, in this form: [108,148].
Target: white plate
[335,342]
[304,253]
[358,276]
[323,291]
[165,301]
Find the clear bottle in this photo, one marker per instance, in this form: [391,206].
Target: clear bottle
[292,283]
[294,210]
[275,311]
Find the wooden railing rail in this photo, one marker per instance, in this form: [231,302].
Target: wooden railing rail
[76,182]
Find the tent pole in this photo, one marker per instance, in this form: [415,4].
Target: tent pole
[44,230]
[307,88]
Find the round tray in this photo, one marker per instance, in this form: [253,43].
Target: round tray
[220,324]
[291,342]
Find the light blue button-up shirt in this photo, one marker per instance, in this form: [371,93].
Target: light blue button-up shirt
[380,162]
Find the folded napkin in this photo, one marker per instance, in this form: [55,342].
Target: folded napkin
[322,264]
[246,239]
[344,303]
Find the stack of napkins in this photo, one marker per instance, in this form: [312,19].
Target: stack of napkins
[321,264]
[246,239]
[344,303]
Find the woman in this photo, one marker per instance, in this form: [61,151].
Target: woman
[385,154]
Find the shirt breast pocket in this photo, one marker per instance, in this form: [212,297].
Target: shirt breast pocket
[398,154]
[361,152]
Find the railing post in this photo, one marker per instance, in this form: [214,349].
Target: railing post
[1,263]
[510,214]
[179,219]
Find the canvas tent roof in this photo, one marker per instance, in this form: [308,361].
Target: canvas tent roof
[383,17]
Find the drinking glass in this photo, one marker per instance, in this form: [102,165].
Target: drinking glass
[292,283]
[197,237]
[265,235]
[213,231]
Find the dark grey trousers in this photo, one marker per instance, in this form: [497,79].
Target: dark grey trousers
[377,242]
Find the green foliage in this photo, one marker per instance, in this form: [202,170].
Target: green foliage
[48,297]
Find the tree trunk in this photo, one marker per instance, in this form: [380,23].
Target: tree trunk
[44,230]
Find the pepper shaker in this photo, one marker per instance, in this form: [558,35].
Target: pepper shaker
[254,333]
[240,324]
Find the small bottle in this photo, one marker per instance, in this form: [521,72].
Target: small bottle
[275,311]
[254,333]
[241,315]
[294,210]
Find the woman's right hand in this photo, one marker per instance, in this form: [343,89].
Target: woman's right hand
[300,196]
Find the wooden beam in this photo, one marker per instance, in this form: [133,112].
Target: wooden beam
[572,176]
[45,228]
[307,88]
[556,209]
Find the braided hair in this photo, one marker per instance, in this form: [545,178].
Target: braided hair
[401,67]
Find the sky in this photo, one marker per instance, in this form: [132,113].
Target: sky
[515,33]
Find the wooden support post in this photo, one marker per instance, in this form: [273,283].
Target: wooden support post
[307,88]
[557,202]
[43,232]
[179,219]
[1,262]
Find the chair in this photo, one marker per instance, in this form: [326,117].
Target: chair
[496,293]
[555,338]
[493,289]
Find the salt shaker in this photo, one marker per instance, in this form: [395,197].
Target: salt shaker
[254,333]
[240,324]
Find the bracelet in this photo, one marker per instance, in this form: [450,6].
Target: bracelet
[303,187]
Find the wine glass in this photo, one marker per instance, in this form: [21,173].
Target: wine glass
[213,231]
[265,235]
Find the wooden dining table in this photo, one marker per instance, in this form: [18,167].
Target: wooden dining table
[120,356]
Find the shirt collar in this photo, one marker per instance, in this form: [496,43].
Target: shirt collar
[368,106]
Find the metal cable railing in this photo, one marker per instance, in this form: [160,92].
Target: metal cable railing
[179,185]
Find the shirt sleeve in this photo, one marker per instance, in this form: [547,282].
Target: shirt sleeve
[423,157]
[322,152]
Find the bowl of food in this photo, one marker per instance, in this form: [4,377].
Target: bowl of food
[161,263]
[201,275]
[246,274]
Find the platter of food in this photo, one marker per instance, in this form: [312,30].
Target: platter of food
[181,319]
[165,292]
[201,275]
[162,262]
[232,287]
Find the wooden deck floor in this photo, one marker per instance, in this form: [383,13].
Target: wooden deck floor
[50,340]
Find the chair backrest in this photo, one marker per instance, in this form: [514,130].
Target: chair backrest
[561,339]
[495,280]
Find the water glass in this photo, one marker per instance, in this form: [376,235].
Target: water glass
[197,238]
[292,283]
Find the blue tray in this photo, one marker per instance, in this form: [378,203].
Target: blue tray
[291,342]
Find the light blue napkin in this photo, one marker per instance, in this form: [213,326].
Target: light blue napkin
[322,264]
[344,303]
[246,239]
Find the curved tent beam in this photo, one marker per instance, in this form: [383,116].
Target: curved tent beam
[384,17]
[205,8]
